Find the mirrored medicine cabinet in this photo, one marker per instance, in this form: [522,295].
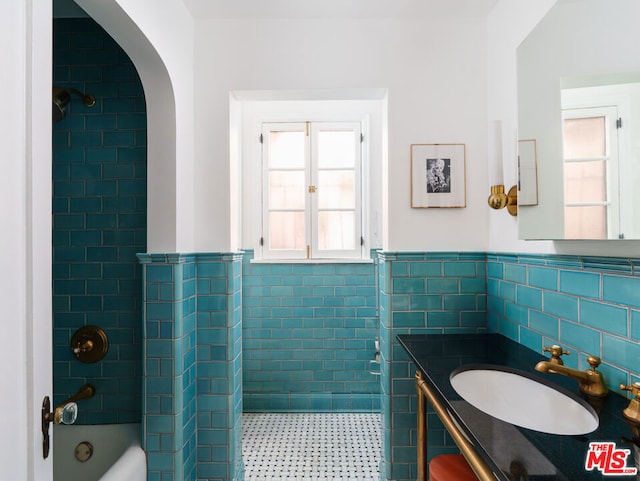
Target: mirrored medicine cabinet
[579,105]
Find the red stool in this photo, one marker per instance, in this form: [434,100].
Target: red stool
[450,467]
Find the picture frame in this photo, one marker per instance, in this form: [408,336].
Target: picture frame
[438,176]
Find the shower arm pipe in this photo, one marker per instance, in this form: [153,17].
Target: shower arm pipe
[88,100]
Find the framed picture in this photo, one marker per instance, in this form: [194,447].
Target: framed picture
[438,177]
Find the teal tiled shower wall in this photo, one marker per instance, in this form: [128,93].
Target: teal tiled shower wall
[589,305]
[99,219]
[442,292]
[309,334]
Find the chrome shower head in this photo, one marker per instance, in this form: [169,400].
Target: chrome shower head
[62,97]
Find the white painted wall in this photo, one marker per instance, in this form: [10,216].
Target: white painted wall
[158,36]
[445,79]
[25,237]
[435,74]
[507,25]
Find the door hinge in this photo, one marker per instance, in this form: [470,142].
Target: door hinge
[261,139]
[361,138]
[261,241]
[361,240]
[307,128]
[619,123]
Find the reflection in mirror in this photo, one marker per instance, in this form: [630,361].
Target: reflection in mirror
[598,127]
[579,101]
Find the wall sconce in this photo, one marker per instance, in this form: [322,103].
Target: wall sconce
[498,199]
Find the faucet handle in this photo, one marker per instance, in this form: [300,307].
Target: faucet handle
[556,351]
[633,388]
[594,361]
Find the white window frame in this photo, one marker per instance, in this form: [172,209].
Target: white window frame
[610,114]
[312,253]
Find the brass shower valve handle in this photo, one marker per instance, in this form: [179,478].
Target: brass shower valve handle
[556,351]
[85,346]
[89,344]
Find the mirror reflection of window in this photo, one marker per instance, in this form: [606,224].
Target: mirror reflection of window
[590,171]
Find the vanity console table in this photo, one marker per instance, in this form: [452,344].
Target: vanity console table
[495,449]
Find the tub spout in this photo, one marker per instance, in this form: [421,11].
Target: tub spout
[590,382]
[67,411]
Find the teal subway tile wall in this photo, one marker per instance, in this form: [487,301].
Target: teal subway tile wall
[309,334]
[193,366]
[170,370]
[219,340]
[421,293]
[588,305]
[99,220]
[533,299]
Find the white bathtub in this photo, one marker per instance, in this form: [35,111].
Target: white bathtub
[117,454]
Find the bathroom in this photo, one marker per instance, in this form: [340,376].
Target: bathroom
[434,95]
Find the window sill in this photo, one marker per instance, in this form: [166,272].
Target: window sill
[311,261]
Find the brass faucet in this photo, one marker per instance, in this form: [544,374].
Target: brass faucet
[632,412]
[591,382]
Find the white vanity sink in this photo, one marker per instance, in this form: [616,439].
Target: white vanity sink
[517,398]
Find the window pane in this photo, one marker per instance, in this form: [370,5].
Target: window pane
[336,189]
[586,222]
[336,230]
[286,190]
[336,149]
[286,150]
[584,137]
[585,181]
[286,230]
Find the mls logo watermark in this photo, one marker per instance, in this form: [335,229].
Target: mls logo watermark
[609,460]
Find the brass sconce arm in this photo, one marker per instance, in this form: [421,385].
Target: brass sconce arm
[499,200]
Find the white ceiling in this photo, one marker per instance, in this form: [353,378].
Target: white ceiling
[319,8]
[339,8]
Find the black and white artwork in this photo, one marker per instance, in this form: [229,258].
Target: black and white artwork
[438,177]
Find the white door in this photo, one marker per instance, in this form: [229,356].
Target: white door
[25,233]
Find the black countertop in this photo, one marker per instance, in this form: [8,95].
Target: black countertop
[545,456]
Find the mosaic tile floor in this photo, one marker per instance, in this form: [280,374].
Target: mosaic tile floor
[311,446]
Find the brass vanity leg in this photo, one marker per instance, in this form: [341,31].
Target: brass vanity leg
[477,464]
[422,431]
